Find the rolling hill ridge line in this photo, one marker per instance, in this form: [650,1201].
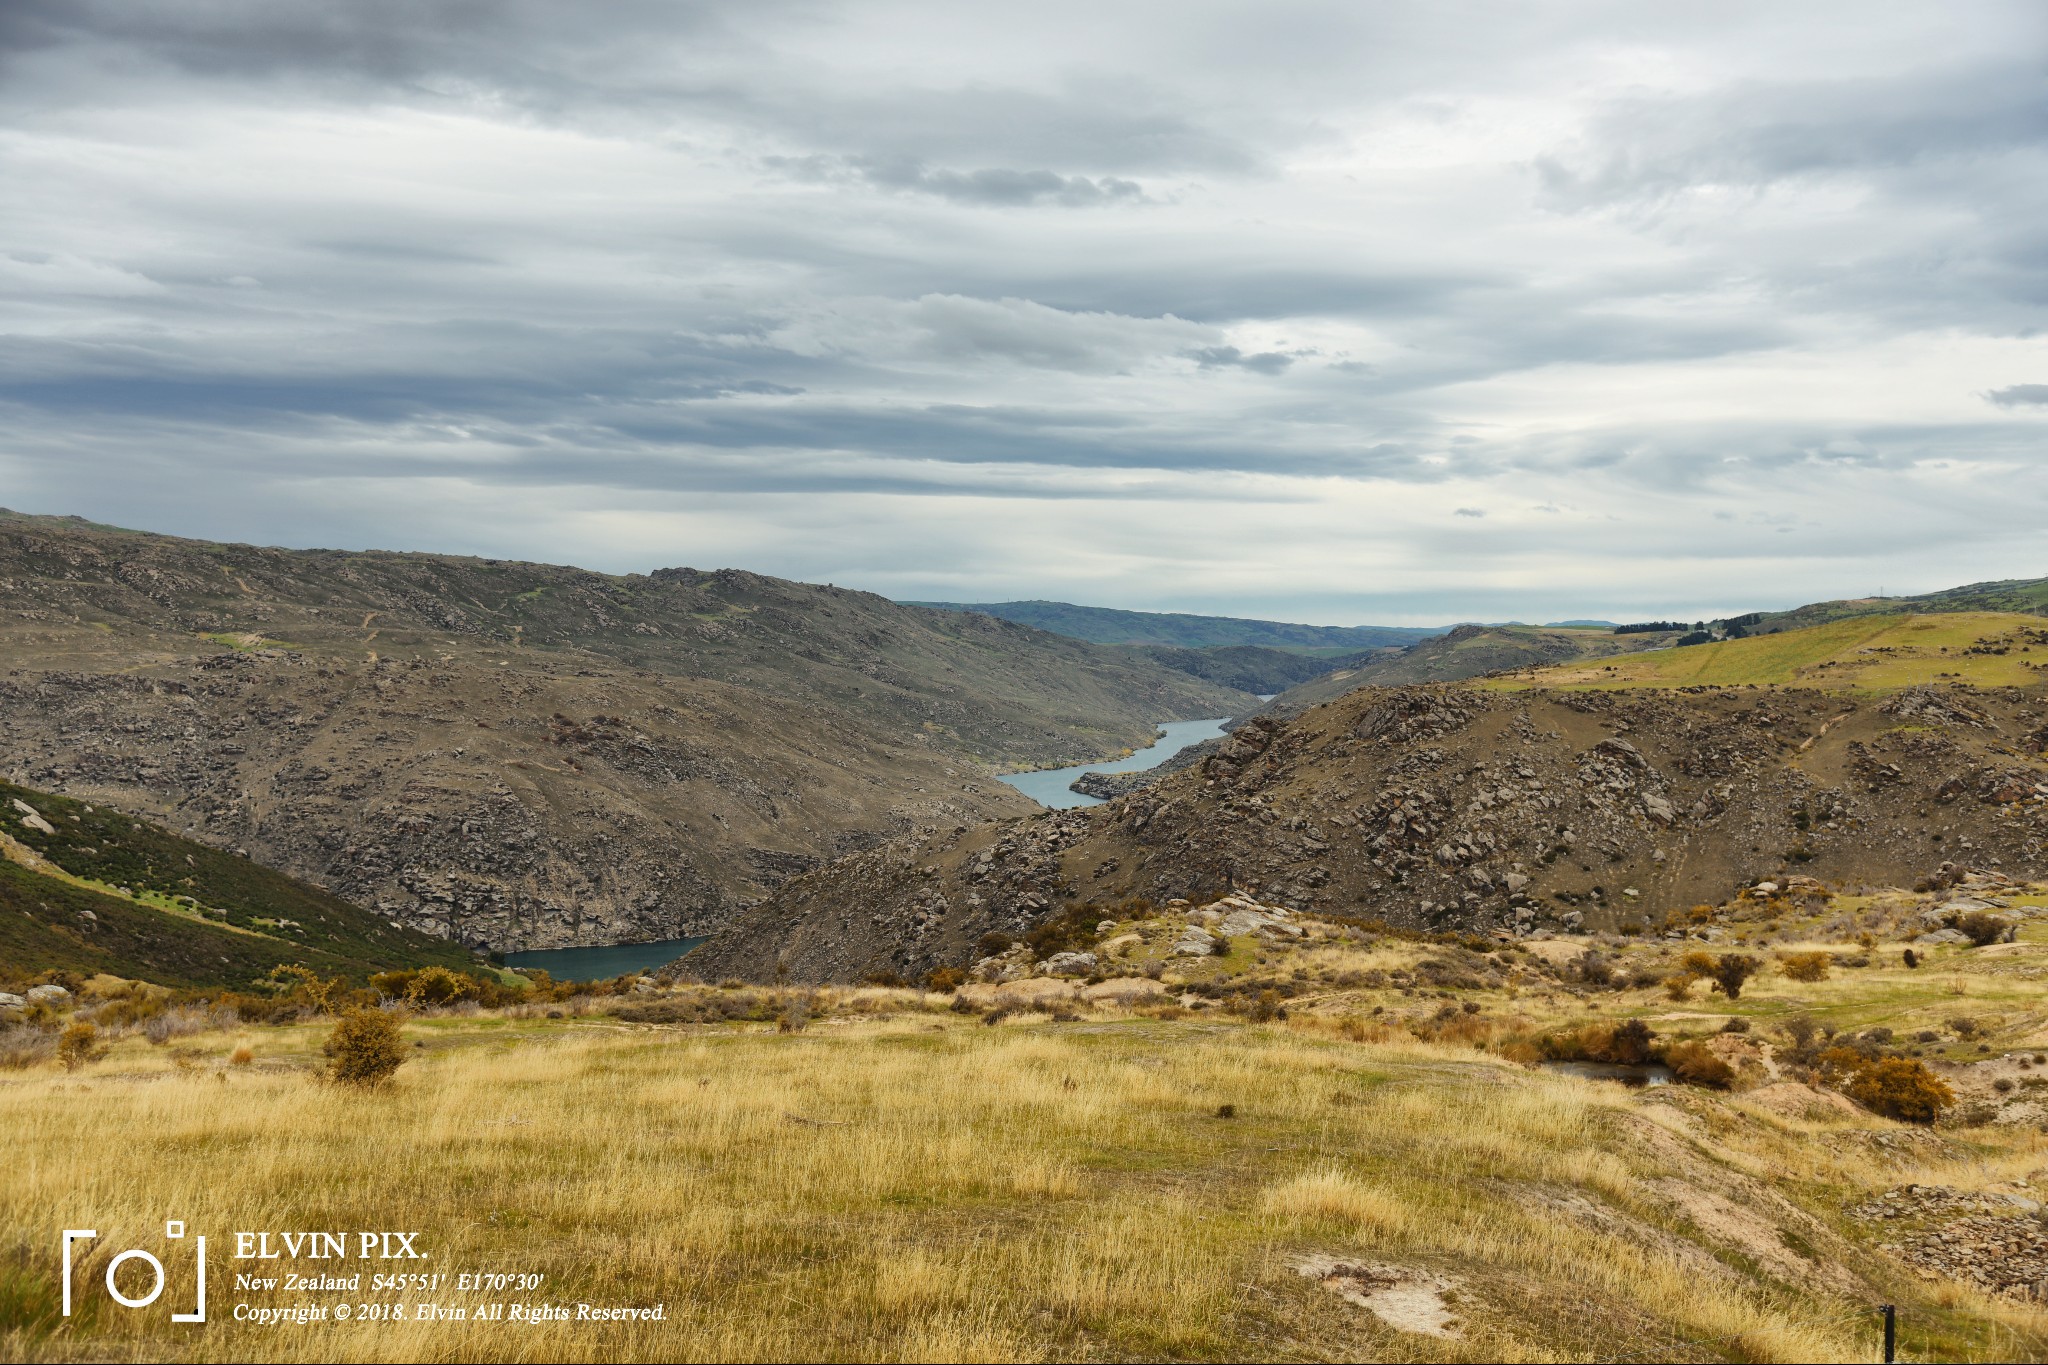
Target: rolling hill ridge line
[518,755]
[512,755]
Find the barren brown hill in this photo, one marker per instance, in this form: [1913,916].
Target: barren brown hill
[523,755]
[1459,808]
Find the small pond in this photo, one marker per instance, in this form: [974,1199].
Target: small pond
[604,963]
[1650,1073]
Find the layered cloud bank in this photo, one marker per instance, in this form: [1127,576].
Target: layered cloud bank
[1399,313]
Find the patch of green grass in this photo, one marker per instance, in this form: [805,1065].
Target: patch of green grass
[151,892]
[1875,653]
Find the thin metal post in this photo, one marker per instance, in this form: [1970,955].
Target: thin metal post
[1891,1333]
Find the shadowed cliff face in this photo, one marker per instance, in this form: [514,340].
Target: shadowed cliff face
[1452,808]
[521,755]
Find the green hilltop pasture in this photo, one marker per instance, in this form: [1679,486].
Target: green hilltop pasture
[109,893]
[1863,653]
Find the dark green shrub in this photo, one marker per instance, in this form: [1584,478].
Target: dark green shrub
[1631,1043]
[1983,928]
[1731,970]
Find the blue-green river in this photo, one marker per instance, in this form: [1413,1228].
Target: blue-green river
[602,964]
[1049,788]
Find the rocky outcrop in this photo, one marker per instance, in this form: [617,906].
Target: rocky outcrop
[1468,809]
[1109,786]
[1993,1239]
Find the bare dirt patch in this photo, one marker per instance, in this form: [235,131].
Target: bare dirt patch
[1402,1297]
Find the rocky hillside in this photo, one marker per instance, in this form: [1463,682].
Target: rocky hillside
[521,755]
[1441,807]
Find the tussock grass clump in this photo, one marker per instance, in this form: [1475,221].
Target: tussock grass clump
[25,1045]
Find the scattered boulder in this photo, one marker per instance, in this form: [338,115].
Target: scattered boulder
[1069,964]
[48,994]
[31,818]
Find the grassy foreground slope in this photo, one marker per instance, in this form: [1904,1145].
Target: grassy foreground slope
[87,889]
[1863,653]
[907,1181]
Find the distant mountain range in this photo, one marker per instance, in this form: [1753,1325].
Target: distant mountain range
[1112,626]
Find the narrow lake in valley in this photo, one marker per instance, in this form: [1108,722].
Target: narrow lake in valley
[1049,788]
[602,964]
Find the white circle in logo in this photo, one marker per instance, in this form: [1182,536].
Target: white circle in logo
[147,1299]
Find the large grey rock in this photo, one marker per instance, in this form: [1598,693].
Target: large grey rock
[1940,936]
[30,818]
[1069,964]
[51,994]
[1244,922]
[10,1001]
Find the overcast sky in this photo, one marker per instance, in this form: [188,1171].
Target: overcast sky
[1329,312]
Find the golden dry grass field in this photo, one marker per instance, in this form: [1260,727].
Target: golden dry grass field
[920,1185]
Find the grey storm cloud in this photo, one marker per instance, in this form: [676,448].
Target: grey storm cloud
[811,282]
[2020,396]
[1222,357]
[1001,187]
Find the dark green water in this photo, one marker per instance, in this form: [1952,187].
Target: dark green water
[602,964]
